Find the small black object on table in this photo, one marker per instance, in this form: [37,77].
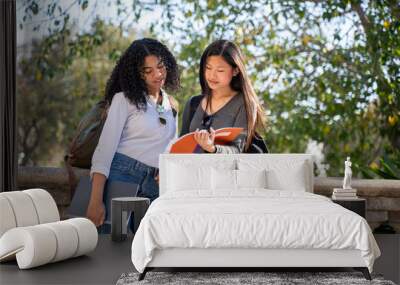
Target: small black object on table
[121,209]
[357,205]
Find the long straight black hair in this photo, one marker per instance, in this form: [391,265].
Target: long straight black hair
[240,83]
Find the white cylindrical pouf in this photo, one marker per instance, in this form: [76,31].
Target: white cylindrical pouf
[45,205]
[23,208]
[87,234]
[7,218]
[67,239]
[34,246]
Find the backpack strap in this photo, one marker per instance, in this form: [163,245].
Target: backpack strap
[193,105]
[174,105]
[257,145]
[72,179]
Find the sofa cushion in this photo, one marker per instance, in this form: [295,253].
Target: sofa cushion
[40,244]
[23,208]
[45,205]
[26,208]
[7,216]
[31,232]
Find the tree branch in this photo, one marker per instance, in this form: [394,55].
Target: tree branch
[372,42]
[394,9]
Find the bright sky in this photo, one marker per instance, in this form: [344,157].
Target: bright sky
[107,10]
[82,19]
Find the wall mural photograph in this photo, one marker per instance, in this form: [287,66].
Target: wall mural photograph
[183,131]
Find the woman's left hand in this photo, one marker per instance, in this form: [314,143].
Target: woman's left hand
[205,139]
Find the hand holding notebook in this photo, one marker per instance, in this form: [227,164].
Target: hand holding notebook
[187,143]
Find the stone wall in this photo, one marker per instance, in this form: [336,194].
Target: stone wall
[55,180]
[383,196]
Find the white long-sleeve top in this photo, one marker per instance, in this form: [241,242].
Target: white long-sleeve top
[134,133]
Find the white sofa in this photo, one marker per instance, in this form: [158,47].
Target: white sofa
[247,210]
[31,231]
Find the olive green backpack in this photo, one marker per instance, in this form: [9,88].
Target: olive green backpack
[85,141]
[87,136]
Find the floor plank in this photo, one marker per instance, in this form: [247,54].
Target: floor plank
[102,266]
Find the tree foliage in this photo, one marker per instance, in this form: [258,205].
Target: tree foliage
[326,71]
[53,97]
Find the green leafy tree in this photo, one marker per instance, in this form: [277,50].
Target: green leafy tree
[56,89]
[326,70]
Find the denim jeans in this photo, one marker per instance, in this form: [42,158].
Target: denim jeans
[126,169]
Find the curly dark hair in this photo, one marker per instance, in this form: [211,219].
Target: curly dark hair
[126,76]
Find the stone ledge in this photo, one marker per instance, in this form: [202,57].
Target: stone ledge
[28,175]
[394,216]
[376,216]
[54,180]
[383,203]
[58,178]
[365,187]
[381,195]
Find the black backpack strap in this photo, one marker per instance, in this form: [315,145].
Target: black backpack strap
[194,103]
[258,145]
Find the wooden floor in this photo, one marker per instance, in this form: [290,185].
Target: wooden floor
[110,259]
[102,266]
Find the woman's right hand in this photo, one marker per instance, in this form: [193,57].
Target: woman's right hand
[205,139]
[96,212]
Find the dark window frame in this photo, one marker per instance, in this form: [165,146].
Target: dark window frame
[8,124]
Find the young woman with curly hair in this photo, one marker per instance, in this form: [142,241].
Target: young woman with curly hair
[141,122]
[227,100]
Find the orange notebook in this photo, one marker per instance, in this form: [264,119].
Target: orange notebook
[187,143]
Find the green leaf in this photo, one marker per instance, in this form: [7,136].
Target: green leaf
[85,4]
[383,174]
[34,8]
[387,168]
[367,173]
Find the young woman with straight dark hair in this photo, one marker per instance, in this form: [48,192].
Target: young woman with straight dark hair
[227,100]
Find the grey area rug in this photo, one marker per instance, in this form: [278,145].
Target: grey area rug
[273,278]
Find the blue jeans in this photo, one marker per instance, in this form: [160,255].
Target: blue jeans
[126,169]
